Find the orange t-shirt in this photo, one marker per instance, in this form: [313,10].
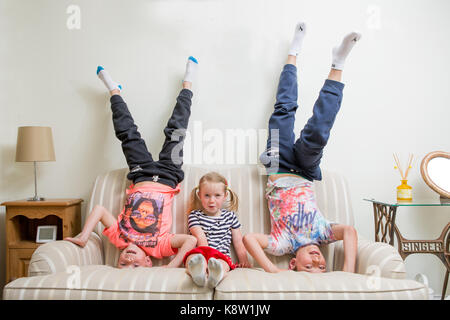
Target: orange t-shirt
[145,220]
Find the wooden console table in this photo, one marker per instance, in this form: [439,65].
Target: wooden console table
[385,228]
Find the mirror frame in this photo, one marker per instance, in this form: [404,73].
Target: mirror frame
[424,172]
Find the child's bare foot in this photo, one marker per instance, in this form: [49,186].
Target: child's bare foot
[77,240]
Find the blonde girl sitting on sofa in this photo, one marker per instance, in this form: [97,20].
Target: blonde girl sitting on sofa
[212,220]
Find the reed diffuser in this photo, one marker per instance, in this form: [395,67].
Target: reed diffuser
[404,191]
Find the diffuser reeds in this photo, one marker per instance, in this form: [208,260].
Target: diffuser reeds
[403,174]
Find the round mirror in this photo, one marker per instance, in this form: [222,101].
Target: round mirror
[435,170]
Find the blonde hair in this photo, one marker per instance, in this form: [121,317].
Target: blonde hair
[195,204]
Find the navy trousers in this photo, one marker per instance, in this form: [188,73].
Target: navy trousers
[284,154]
[167,169]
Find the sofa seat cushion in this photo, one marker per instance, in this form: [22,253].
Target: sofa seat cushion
[104,282]
[255,284]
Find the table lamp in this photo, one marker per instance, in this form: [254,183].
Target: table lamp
[35,144]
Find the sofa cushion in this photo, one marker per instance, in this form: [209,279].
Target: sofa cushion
[107,283]
[255,284]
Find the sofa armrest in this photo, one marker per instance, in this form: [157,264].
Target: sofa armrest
[373,258]
[56,256]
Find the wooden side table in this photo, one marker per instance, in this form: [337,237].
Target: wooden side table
[385,228]
[22,219]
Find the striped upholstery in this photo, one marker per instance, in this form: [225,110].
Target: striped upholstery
[99,278]
[252,284]
[106,283]
[59,255]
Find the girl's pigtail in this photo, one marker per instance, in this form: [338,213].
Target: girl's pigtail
[234,201]
[194,203]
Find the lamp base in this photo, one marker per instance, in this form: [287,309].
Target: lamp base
[35,198]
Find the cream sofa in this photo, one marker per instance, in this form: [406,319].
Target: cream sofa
[62,270]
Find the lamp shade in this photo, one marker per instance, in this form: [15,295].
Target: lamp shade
[35,144]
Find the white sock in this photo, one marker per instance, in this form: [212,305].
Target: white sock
[191,69]
[341,52]
[107,80]
[296,44]
[196,267]
[215,270]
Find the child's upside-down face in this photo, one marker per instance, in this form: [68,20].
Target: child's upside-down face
[309,259]
[133,257]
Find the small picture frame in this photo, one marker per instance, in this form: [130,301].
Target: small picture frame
[46,234]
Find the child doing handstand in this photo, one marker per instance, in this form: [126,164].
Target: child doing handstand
[214,224]
[142,228]
[297,226]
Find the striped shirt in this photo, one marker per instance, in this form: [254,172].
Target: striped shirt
[216,229]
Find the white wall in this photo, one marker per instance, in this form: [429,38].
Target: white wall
[396,95]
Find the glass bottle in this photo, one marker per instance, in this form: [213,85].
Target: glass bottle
[404,191]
